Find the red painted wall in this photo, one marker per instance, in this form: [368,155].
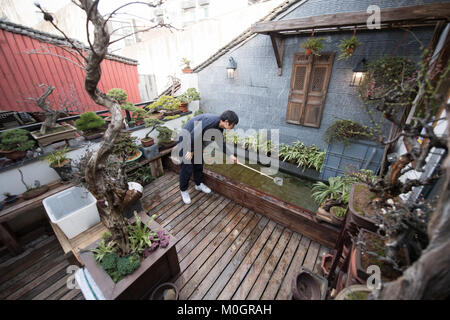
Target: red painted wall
[21,74]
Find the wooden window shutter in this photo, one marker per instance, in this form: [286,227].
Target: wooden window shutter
[314,90]
[298,88]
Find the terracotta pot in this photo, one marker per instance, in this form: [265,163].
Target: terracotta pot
[139,123]
[35,192]
[187,70]
[308,52]
[326,263]
[183,107]
[147,142]
[307,285]
[13,155]
[351,50]
[165,291]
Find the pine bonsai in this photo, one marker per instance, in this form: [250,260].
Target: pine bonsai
[89,122]
[118,94]
[15,140]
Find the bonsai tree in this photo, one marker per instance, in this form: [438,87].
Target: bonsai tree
[118,94]
[186,64]
[164,103]
[153,124]
[347,47]
[138,114]
[164,135]
[189,95]
[125,146]
[313,46]
[15,140]
[89,122]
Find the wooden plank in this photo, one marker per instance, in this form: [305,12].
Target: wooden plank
[277,277]
[212,269]
[169,206]
[190,264]
[211,254]
[11,211]
[252,274]
[184,238]
[71,294]
[264,276]
[178,215]
[311,256]
[228,265]
[9,239]
[158,198]
[51,289]
[189,242]
[41,286]
[250,256]
[284,292]
[156,168]
[278,50]
[58,294]
[421,13]
[187,224]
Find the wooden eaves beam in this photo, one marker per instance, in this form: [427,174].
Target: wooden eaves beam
[391,15]
[278,50]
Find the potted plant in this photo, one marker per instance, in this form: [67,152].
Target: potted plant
[59,161]
[363,207]
[32,191]
[313,46]
[165,138]
[187,97]
[138,114]
[347,47]
[90,124]
[165,291]
[166,104]
[14,143]
[125,148]
[118,94]
[153,124]
[186,64]
[354,292]
[50,131]
[345,130]
[10,198]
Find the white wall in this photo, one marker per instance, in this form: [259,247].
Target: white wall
[40,170]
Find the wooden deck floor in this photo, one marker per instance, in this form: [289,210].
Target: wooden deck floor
[226,251]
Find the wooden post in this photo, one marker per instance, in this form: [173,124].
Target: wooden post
[9,240]
[156,168]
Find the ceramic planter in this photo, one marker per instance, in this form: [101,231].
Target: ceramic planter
[165,291]
[147,142]
[187,70]
[92,136]
[359,219]
[183,107]
[64,171]
[69,132]
[164,146]
[34,192]
[307,285]
[13,155]
[161,265]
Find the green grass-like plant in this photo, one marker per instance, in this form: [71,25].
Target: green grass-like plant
[57,158]
[139,234]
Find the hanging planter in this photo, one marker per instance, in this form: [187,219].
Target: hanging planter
[347,47]
[313,46]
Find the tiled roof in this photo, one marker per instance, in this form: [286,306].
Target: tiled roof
[54,39]
[246,35]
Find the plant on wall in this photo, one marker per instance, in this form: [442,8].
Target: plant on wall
[302,155]
[313,45]
[345,130]
[347,47]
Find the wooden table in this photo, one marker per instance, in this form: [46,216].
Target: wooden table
[11,211]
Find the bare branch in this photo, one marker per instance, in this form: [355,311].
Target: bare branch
[144,30]
[130,3]
[46,51]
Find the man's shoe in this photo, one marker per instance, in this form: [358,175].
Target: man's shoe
[185,196]
[203,188]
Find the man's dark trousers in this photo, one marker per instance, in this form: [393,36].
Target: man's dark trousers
[186,171]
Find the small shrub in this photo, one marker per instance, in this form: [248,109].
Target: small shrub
[314,44]
[109,261]
[15,140]
[119,94]
[57,158]
[127,265]
[190,95]
[164,135]
[103,249]
[164,103]
[151,123]
[125,146]
[344,130]
[89,122]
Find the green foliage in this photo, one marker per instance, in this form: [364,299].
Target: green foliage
[164,135]
[137,113]
[302,155]
[164,103]
[338,211]
[109,261]
[103,249]
[125,146]
[183,122]
[57,158]
[344,130]
[347,47]
[333,190]
[231,137]
[89,122]
[190,95]
[314,44]
[15,140]
[127,265]
[119,94]
[251,142]
[196,113]
[389,75]
[141,175]
[152,123]
[186,63]
[172,117]
[139,235]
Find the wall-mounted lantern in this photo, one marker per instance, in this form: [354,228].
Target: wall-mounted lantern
[231,68]
[358,73]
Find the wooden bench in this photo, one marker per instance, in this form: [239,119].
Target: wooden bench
[21,206]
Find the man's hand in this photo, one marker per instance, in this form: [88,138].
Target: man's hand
[189,155]
[234,159]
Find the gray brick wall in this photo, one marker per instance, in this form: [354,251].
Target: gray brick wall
[259,96]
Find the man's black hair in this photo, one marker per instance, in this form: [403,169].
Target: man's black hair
[231,116]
